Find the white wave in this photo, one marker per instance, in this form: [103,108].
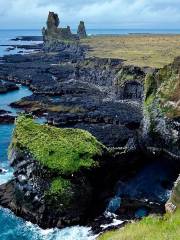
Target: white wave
[74,233]
[6,176]
[70,233]
[114,223]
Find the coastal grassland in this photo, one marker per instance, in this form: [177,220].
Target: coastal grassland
[65,150]
[150,228]
[140,50]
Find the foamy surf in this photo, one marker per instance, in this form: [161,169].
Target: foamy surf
[70,233]
[6,176]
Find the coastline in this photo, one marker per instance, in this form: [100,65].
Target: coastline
[58,102]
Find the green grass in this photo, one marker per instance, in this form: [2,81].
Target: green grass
[64,150]
[139,50]
[150,228]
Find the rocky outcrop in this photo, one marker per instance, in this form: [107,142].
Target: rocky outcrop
[174,201]
[161,132]
[58,181]
[7,87]
[81,32]
[53,33]
[161,126]
[57,191]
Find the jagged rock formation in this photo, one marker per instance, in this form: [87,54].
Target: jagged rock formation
[81,30]
[56,34]
[52,32]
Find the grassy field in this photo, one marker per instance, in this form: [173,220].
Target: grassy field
[150,228]
[140,50]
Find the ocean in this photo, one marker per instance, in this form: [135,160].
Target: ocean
[7,35]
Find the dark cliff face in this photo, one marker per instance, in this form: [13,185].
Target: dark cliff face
[161,132]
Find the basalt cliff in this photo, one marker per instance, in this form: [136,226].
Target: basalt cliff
[111,140]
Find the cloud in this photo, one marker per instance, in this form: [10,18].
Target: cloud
[96,13]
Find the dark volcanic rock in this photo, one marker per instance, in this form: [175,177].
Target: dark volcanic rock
[81,32]
[28,38]
[31,195]
[7,118]
[53,33]
[7,87]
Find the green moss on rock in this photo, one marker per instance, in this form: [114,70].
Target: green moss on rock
[60,190]
[124,76]
[65,150]
[165,87]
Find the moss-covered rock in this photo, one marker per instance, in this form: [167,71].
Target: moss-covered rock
[164,85]
[63,150]
[53,169]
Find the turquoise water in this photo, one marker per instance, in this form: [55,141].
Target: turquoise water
[7,98]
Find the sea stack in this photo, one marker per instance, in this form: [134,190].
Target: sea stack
[81,30]
[52,32]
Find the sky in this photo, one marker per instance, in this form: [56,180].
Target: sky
[132,14]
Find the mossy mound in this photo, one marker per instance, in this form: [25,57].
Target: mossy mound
[63,150]
[150,228]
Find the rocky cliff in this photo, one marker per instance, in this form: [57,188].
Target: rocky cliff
[62,176]
[161,131]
